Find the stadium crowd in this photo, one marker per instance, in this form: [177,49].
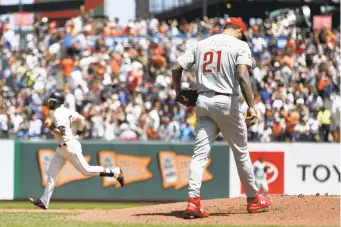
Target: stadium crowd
[124,90]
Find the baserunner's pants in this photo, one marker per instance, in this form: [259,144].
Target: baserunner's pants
[72,152]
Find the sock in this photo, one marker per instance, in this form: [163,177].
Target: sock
[107,173]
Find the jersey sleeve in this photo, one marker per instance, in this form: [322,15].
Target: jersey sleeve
[244,55]
[187,60]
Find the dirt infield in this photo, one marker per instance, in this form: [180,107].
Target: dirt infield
[286,210]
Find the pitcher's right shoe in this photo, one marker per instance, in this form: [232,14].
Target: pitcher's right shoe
[38,203]
[259,203]
[194,209]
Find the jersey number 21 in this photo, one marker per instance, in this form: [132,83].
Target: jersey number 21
[208,60]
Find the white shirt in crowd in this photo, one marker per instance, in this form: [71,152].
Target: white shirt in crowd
[154,24]
[258,44]
[17,119]
[154,119]
[98,126]
[266,136]
[109,133]
[70,102]
[314,125]
[302,129]
[3,122]
[35,127]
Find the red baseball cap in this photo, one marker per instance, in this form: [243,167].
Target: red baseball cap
[238,22]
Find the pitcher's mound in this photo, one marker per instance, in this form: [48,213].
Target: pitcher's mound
[286,210]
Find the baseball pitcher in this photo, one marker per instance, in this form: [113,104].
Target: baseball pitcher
[69,149]
[222,65]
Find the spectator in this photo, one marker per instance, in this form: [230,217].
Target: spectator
[302,131]
[67,65]
[259,45]
[266,135]
[291,120]
[187,132]
[70,100]
[174,130]
[35,127]
[123,85]
[3,122]
[278,130]
[324,116]
[314,126]
[127,133]
[154,122]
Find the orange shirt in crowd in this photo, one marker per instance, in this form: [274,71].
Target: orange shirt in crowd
[291,121]
[292,45]
[330,39]
[277,129]
[67,66]
[152,134]
[322,82]
[289,61]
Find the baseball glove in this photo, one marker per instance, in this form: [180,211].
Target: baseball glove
[187,97]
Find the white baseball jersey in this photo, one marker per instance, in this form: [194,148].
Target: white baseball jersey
[63,119]
[216,58]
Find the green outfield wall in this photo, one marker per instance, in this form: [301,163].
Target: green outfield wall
[160,171]
[154,171]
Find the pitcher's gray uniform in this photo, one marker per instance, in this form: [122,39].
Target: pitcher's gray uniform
[69,149]
[217,108]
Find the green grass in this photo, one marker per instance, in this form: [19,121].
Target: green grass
[50,220]
[71,205]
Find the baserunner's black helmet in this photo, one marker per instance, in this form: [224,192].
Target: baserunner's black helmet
[56,99]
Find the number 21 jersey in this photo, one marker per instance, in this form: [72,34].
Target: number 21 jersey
[215,60]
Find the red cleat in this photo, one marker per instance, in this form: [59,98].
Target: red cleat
[259,203]
[194,209]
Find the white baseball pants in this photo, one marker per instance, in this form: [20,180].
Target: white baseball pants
[72,152]
[217,113]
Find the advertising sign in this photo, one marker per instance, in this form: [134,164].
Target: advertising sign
[321,22]
[23,19]
[314,169]
[175,169]
[273,171]
[296,168]
[135,168]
